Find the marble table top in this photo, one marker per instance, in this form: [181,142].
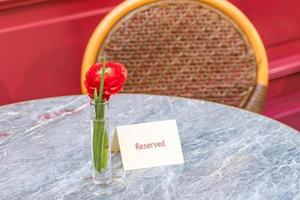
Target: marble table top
[229,153]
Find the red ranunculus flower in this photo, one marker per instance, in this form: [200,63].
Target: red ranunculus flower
[114,79]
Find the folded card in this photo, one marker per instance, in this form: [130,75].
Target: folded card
[149,144]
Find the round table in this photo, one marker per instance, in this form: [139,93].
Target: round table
[229,153]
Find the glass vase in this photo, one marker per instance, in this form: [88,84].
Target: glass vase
[101,143]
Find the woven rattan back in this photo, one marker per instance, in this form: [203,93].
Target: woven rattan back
[184,48]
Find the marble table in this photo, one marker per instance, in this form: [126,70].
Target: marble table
[229,153]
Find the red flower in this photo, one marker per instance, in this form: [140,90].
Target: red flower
[114,79]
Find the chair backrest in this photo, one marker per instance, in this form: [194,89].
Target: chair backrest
[202,49]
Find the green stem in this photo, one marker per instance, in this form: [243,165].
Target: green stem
[100,139]
[95,145]
[100,136]
[102,145]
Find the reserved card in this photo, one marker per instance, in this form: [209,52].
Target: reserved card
[149,144]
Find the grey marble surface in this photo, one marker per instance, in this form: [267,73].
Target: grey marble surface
[229,153]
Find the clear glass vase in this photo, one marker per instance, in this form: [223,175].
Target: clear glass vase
[101,142]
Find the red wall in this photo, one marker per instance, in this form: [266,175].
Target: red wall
[278,23]
[41,46]
[42,43]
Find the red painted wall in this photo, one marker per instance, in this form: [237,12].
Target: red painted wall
[41,47]
[278,22]
[42,44]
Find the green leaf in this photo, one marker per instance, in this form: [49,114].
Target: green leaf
[96,98]
[102,80]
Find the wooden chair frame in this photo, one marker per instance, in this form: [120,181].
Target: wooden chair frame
[102,30]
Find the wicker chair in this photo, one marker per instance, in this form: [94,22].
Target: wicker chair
[202,49]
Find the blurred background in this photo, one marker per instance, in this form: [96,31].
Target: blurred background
[42,44]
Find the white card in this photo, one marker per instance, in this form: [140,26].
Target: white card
[149,144]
